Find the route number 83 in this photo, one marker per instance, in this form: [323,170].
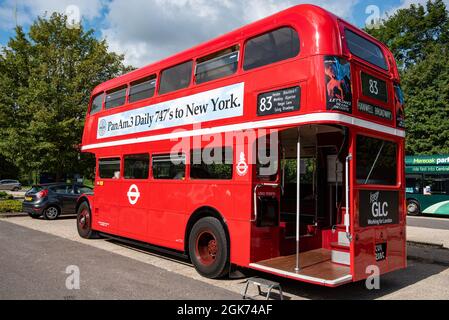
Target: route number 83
[373,87]
[266,104]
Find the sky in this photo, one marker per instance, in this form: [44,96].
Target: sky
[146,31]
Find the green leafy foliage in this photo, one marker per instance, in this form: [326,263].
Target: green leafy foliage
[5,196]
[46,77]
[419,38]
[8,206]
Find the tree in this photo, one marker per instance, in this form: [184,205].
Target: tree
[46,77]
[419,39]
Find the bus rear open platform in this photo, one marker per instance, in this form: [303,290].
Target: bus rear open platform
[316,267]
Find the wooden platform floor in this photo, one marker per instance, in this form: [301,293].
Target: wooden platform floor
[316,266]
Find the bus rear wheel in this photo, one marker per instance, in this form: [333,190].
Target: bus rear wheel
[84,222]
[209,248]
[413,208]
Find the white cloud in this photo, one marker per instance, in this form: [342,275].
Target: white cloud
[149,30]
[28,10]
[146,31]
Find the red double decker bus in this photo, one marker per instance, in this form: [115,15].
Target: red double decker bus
[277,147]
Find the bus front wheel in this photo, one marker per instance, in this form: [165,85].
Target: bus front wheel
[413,208]
[84,222]
[208,248]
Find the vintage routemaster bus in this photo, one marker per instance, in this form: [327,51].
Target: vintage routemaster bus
[179,163]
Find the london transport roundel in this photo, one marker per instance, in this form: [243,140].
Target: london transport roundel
[133,194]
[242,166]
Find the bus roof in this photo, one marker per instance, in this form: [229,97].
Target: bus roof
[315,18]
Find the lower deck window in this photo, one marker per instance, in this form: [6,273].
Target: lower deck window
[210,164]
[169,167]
[109,168]
[137,166]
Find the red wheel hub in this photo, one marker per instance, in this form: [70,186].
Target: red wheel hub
[206,247]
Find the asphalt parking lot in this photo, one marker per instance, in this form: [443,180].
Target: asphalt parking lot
[36,253]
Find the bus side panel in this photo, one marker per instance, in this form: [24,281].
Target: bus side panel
[133,218]
[167,218]
[231,200]
[105,211]
[239,233]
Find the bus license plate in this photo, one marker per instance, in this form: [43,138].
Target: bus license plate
[381,251]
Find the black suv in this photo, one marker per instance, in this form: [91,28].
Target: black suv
[53,200]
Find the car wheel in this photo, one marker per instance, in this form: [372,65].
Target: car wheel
[413,208]
[209,248]
[51,213]
[84,222]
[34,216]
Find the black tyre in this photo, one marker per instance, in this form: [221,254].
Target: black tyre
[34,216]
[84,222]
[51,213]
[209,248]
[413,208]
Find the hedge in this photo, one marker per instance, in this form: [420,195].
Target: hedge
[6,196]
[10,206]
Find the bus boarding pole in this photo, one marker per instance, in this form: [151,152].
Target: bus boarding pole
[298,200]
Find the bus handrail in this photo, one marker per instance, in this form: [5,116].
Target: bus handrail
[274,185]
[347,216]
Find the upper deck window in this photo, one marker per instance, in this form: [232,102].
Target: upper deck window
[175,78]
[97,104]
[271,47]
[142,89]
[217,65]
[365,49]
[115,98]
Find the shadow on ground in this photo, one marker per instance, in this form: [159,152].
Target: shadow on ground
[390,283]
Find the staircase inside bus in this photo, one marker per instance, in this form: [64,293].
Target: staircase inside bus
[309,241]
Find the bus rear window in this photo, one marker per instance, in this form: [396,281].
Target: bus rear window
[376,161]
[365,49]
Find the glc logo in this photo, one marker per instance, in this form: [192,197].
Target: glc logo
[378,208]
[102,128]
[133,194]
